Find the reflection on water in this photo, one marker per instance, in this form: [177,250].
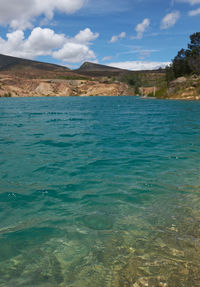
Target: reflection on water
[99,192]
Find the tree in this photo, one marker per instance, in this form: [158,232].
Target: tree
[187,61]
[180,64]
[194,53]
[194,46]
[169,72]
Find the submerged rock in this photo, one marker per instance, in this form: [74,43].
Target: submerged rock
[97,222]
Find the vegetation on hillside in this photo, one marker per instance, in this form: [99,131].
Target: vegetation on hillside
[186,64]
[187,61]
[144,79]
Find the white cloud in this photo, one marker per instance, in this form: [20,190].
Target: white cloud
[86,36]
[115,38]
[170,20]
[74,52]
[40,42]
[106,58]
[139,65]
[45,42]
[76,49]
[194,12]
[141,28]
[19,14]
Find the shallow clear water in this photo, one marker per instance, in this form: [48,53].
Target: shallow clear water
[100,192]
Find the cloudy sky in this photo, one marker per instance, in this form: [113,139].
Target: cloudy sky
[133,34]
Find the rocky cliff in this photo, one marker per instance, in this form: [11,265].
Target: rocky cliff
[186,88]
[20,87]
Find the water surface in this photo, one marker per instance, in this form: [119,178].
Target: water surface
[100,192]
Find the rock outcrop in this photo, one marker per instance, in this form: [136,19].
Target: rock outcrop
[184,88]
[18,87]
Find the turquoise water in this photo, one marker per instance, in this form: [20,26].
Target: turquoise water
[99,192]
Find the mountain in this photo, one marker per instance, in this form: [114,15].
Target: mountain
[87,66]
[97,70]
[25,68]
[8,62]
[22,77]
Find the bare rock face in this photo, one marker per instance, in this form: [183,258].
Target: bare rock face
[179,80]
[17,87]
[52,88]
[176,83]
[63,90]
[185,88]
[45,89]
[101,89]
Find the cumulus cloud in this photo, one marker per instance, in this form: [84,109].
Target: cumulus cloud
[76,49]
[40,42]
[141,28]
[73,53]
[115,38]
[86,36]
[170,20]
[20,14]
[139,65]
[45,42]
[194,12]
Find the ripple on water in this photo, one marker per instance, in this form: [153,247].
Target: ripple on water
[99,192]
[52,143]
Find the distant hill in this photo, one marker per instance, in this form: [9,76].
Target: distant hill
[8,62]
[87,66]
[97,70]
[33,69]
[28,69]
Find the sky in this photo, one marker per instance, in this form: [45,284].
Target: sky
[129,34]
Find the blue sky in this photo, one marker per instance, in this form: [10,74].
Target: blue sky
[133,34]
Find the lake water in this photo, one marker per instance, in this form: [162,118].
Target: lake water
[99,192]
